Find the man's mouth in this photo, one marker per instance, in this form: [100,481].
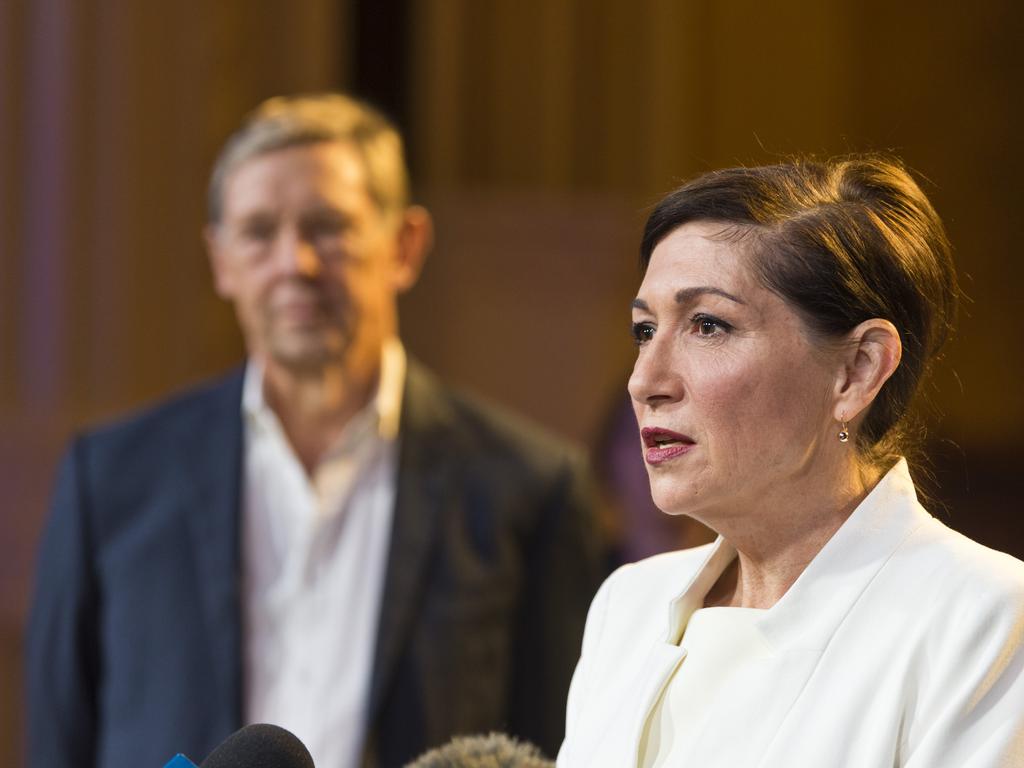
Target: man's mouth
[300,311]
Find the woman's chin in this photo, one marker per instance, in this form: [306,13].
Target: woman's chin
[674,495]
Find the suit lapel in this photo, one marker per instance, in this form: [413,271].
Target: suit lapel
[423,469]
[212,456]
[657,670]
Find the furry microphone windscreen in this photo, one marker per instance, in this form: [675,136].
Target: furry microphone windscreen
[496,750]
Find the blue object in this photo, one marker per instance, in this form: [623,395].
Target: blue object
[180,761]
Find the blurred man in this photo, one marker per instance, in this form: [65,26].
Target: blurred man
[328,539]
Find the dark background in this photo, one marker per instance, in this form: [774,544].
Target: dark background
[540,132]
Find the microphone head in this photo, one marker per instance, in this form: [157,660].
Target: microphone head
[260,746]
[495,750]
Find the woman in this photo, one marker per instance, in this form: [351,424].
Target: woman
[785,320]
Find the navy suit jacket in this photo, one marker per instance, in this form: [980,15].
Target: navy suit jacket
[135,637]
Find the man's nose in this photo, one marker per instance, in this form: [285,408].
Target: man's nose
[656,378]
[297,255]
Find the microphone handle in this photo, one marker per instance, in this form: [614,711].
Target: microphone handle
[180,761]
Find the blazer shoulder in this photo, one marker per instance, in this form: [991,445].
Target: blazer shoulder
[630,613]
[666,568]
[959,592]
[964,569]
[156,452]
[473,425]
[647,587]
[194,411]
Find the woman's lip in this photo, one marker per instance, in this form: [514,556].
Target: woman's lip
[653,435]
[664,453]
[660,445]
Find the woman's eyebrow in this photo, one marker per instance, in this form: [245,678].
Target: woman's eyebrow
[686,295]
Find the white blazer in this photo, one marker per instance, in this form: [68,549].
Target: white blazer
[901,644]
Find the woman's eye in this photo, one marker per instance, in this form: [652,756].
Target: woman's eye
[707,325]
[642,333]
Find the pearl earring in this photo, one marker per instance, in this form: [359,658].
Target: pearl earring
[844,432]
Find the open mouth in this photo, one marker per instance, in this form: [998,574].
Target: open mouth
[660,445]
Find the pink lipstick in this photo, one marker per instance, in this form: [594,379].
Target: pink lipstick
[660,445]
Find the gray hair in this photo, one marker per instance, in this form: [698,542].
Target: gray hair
[288,121]
[496,750]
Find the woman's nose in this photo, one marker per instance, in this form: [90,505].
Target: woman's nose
[655,380]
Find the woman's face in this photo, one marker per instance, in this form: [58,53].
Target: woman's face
[732,396]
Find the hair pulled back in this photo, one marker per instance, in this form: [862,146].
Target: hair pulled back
[841,241]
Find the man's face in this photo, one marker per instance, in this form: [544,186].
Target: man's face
[311,263]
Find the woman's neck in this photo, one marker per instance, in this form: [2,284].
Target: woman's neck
[775,543]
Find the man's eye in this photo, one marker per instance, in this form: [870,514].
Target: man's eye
[258,231]
[642,333]
[324,228]
[324,223]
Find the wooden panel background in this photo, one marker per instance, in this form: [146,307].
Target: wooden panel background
[540,132]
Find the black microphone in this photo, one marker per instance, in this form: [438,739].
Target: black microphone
[257,745]
[260,746]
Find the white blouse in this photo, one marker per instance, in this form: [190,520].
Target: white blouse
[718,644]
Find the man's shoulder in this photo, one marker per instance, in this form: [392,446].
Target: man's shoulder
[134,473]
[469,423]
[209,405]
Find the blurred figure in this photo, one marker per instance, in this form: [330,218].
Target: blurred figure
[786,319]
[495,750]
[328,539]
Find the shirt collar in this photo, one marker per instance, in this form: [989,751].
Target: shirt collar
[384,408]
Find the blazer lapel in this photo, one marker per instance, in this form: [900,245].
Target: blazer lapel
[658,668]
[818,602]
[801,625]
[212,458]
[423,469]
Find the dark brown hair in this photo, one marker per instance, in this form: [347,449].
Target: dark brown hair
[841,241]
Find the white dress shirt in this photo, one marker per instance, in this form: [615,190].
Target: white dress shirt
[314,551]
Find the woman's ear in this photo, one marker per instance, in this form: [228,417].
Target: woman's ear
[870,355]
